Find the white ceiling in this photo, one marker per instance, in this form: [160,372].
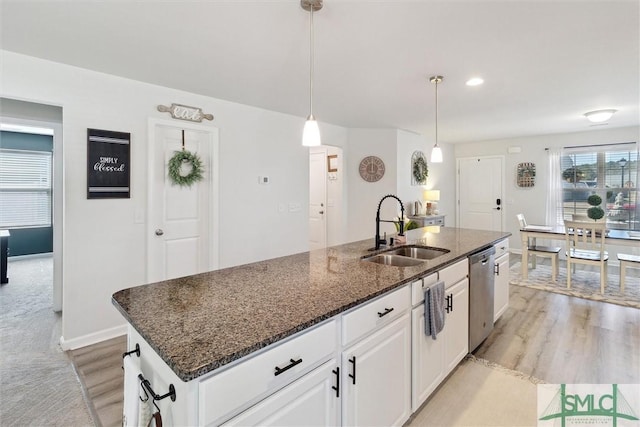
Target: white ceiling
[544,62]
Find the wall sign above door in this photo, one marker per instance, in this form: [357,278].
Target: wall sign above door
[184,112]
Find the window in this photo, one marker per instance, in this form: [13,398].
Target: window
[611,172]
[25,188]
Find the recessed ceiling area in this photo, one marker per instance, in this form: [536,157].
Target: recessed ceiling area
[544,63]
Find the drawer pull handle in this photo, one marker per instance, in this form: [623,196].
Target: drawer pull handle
[286,368]
[337,386]
[353,361]
[386,311]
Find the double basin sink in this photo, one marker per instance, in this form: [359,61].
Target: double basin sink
[406,256]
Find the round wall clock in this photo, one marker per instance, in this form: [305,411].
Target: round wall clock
[372,168]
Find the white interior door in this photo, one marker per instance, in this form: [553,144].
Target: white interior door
[181,224]
[317,200]
[480,193]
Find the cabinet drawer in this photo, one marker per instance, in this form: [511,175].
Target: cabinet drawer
[454,273]
[256,377]
[501,248]
[365,319]
[434,221]
[418,287]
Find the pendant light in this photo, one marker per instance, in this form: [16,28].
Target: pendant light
[311,132]
[436,152]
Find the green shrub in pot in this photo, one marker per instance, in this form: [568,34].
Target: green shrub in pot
[595,212]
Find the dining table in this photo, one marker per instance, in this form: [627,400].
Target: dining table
[612,237]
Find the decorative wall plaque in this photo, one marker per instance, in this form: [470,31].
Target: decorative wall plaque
[526,175]
[108,164]
[185,112]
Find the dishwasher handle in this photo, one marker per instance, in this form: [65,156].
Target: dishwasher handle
[482,257]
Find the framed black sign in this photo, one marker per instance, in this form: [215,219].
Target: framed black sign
[108,166]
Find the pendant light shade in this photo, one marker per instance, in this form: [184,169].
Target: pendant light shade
[436,152]
[311,132]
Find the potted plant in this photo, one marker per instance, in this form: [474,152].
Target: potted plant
[595,212]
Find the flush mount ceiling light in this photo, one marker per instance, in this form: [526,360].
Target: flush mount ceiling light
[599,116]
[436,152]
[474,81]
[311,132]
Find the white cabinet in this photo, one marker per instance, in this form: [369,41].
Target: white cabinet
[433,359]
[501,293]
[233,390]
[424,221]
[312,400]
[456,326]
[376,377]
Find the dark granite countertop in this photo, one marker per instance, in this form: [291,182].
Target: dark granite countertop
[199,323]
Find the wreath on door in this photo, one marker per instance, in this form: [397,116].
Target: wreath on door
[185,160]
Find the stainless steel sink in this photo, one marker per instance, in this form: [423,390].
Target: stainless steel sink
[418,252]
[394,260]
[406,256]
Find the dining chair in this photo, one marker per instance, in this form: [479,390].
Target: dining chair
[535,250]
[585,245]
[627,261]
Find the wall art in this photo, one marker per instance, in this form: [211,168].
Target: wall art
[108,164]
[526,175]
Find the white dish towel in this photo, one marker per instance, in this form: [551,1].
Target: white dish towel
[132,390]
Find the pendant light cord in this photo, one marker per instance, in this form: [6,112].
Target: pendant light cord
[436,112]
[311,57]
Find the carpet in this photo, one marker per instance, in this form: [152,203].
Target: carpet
[584,284]
[38,386]
[481,393]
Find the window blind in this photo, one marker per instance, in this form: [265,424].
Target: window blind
[609,171]
[25,188]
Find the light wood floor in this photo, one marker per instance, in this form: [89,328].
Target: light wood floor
[563,339]
[556,338]
[99,368]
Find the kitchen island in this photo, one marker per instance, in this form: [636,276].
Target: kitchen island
[205,325]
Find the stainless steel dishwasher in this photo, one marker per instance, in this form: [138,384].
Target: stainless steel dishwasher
[481,291]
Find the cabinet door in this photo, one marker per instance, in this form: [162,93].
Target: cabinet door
[456,326]
[501,294]
[308,401]
[376,377]
[428,357]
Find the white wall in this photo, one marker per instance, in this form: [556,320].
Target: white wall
[336,200]
[104,250]
[364,196]
[395,148]
[441,175]
[407,143]
[531,201]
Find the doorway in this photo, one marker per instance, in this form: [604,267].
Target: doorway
[41,120]
[326,197]
[182,225]
[480,186]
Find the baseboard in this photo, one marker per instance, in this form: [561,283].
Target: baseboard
[93,338]
[30,256]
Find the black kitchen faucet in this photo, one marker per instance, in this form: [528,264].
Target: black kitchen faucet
[380,241]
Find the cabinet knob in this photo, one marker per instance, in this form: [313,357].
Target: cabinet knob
[159,232]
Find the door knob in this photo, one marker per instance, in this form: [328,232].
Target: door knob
[321,212]
[159,232]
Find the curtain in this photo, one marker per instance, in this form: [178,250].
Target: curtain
[554,196]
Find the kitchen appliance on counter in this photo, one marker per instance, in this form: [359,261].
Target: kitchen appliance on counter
[481,294]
